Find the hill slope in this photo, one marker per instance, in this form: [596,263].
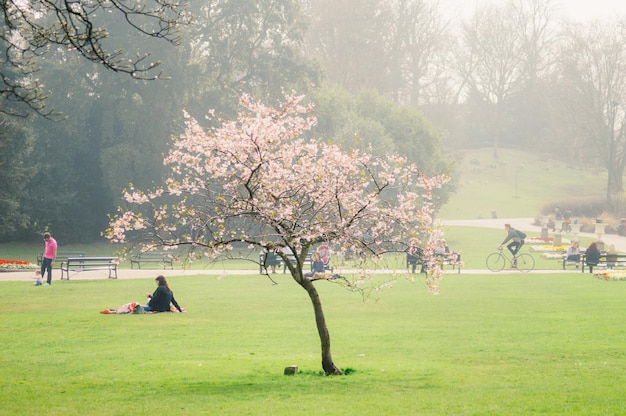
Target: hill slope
[517,184]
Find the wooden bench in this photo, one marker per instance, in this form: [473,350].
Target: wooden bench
[61,256]
[614,261]
[567,262]
[83,264]
[164,259]
[450,259]
[307,261]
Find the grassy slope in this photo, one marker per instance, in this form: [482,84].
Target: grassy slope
[488,184]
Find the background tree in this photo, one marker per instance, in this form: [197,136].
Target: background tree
[16,143]
[593,87]
[345,36]
[112,134]
[29,30]
[256,182]
[493,68]
[246,45]
[417,45]
[531,107]
[370,120]
[116,128]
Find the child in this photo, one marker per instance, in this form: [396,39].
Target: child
[38,280]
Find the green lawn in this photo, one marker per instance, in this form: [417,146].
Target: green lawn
[517,184]
[489,345]
[493,344]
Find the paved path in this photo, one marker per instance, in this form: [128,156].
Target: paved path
[124,274]
[146,274]
[524,224]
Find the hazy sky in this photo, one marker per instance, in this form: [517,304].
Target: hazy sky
[574,9]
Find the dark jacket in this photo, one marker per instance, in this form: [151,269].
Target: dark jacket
[592,257]
[513,235]
[318,267]
[161,299]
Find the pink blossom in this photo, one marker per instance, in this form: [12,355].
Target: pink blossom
[257,180]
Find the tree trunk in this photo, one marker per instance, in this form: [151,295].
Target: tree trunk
[327,359]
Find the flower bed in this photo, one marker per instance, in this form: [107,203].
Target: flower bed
[611,275]
[549,248]
[545,241]
[16,265]
[538,240]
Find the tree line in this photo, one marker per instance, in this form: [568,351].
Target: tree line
[391,74]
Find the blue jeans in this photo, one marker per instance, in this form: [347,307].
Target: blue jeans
[46,266]
[514,246]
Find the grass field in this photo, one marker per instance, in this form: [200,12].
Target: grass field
[489,345]
[517,184]
[492,344]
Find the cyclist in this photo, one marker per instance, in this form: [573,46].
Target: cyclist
[517,242]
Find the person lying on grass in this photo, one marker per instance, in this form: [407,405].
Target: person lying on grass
[162,300]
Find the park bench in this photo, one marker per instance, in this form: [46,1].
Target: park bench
[163,259]
[567,262]
[83,264]
[61,256]
[614,261]
[307,261]
[446,260]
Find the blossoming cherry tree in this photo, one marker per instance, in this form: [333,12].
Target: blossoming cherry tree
[259,182]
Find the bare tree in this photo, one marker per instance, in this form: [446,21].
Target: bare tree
[29,30]
[345,35]
[594,78]
[417,45]
[538,29]
[492,65]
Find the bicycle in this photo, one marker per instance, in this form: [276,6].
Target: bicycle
[498,261]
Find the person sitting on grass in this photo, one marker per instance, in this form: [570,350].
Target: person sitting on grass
[162,300]
[162,297]
[318,270]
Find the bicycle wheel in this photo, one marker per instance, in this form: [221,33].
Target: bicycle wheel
[525,262]
[496,262]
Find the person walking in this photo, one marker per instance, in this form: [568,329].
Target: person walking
[49,255]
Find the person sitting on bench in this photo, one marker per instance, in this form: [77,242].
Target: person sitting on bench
[573,253]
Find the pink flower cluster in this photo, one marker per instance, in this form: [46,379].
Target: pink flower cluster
[259,179]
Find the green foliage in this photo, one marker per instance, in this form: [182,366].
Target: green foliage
[368,119]
[117,129]
[16,144]
[490,344]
